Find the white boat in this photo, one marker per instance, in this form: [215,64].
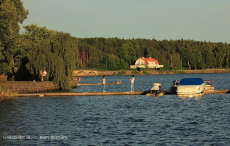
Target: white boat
[190,87]
[208,85]
[156,90]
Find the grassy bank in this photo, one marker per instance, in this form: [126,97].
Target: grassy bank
[149,72]
[93,72]
[7,93]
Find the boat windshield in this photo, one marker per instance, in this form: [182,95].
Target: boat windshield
[207,82]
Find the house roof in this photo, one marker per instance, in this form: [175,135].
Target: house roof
[146,60]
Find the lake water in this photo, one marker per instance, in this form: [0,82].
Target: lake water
[120,120]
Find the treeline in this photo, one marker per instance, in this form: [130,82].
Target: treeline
[115,53]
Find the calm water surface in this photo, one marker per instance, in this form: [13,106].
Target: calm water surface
[120,120]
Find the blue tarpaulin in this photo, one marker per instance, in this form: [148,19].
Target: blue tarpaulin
[191,81]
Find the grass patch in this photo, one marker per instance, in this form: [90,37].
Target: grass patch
[181,72]
[7,94]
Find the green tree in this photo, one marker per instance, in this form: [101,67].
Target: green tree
[114,62]
[123,53]
[208,56]
[12,13]
[219,52]
[184,56]
[51,50]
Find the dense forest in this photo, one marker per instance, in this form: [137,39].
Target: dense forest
[37,48]
[115,53]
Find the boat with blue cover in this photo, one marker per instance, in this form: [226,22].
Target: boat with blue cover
[190,87]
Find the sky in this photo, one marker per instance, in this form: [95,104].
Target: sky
[199,20]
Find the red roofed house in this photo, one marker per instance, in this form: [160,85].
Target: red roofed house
[146,62]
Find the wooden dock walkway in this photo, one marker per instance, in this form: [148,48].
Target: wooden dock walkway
[80,84]
[107,93]
[83,93]
[216,91]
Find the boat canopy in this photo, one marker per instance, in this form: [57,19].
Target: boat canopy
[191,81]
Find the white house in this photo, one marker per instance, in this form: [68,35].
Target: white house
[146,62]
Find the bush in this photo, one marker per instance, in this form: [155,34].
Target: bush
[121,72]
[135,72]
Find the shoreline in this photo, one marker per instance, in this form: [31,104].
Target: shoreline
[39,87]
[154,72]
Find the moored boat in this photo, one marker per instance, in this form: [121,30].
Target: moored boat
[190,87]
[156,90]
[208,85]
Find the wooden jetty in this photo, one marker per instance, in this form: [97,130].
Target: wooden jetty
[83,93]
[107,93]
[216,91]
[116,83]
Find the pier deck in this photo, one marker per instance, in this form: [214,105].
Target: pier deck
[108,93]
[80,84]
[83,93]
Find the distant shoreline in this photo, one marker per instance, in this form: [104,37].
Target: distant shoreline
[110,73]
[36,87]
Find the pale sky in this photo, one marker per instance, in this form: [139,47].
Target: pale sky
[199,20]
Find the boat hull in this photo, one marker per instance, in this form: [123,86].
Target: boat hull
[156,95]
[190,95]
